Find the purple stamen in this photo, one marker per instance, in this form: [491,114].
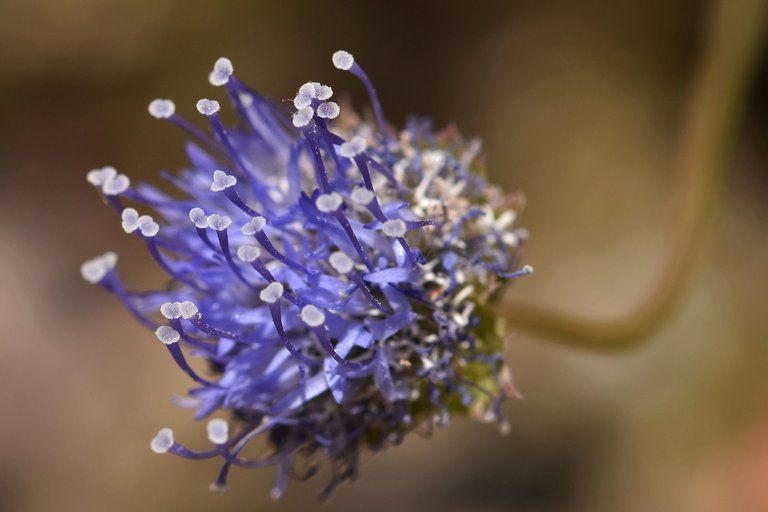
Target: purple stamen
[314,146]
[208,329]
[358,280]
[196,133]
[345,61]
[176,324]
[233,196]
[353,238]
[181,451]
[112,283]
[167,266]
[224,243]
[263,240]
[178,356]
[274,309]
[325,342]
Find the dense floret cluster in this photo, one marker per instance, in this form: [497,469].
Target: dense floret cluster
[335,274]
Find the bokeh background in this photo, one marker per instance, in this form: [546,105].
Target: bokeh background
[578,104]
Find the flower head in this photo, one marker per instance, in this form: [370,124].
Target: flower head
[335,275]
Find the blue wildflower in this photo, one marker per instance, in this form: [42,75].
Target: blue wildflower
[335,275]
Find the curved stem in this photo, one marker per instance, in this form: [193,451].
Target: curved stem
[732,47]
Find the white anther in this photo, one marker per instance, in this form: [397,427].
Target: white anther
[167,334]
[323,92]
[302,101]
[188,309]
[342,263]
[161,108]
[147,226]
[354,147]
[222,70]
[109,260]
[362,196]
[208,107]
[130,218]
[310,89]
[394,227]
[302,117]
[97,177]
[272,292]
[95,269]
[528,269]
[218,431]
[254,225]
[343,60]
[198,217]
[222,180]
[171,310]
[163,441]
[327,203]
[248,253]
[218,222]
[115,185]
[312,316]
[328,110]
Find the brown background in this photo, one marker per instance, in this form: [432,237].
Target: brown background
[578,105]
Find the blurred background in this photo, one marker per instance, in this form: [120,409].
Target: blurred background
[578,104]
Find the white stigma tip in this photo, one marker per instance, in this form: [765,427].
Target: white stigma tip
[218,431]
[310,89]
[163,441]
[327,203]
[198,217]
[302,101]
[167,334]
[272,292]
[147,226]
[115,185]
[248,253]
[130,220]
[328,110]
[171,310]
[222,70]
[394,227]
[97,177]
[303,117]
[527,269]
[341,262]
[353,148]
[188,309]
[323,92]
[222,180]
[161,108]
[208,107]
[218,222]
[362,196]
[95,269]
[343,60]
[312,316]
[254,225]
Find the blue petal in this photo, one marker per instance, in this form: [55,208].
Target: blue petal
[383,378]
[383,329]
[393,275]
